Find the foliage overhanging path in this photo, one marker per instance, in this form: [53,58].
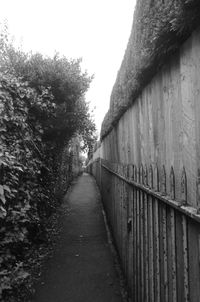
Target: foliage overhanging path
[82,267]
[42,108]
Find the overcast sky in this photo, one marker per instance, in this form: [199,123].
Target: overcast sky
[97,31]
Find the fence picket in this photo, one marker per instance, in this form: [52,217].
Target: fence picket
[156,235]
[151,249]
[141,222]
[156,242]
[125,218]
[184,186]
[135,235]
[130,229]
[146,245]
[172,184]
[173,256]
[138,263]
[163,181]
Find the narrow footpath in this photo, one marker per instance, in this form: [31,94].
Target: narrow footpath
[82,267]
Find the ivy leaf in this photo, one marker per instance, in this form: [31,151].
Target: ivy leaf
[6,188]
[1,190]
[3,212]
[23,275]
[2,196]
[19,168]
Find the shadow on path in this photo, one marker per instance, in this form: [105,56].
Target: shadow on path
[82,268]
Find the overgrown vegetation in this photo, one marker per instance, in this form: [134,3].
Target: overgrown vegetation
[42,107]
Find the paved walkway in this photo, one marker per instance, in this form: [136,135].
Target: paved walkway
[82,268]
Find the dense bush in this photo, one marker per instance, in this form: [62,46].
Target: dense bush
[24,199]
[42,107]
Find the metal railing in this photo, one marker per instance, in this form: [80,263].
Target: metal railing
[157,236]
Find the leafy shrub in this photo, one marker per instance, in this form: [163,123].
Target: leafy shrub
[42,107]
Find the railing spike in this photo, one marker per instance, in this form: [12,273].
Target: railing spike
[184,186]
[133,173]
[172,183]
[150,182]
[129,171]
[163,189]
[136,174]
[145,175]
[126,171]
[129,167]
[141,175]
[157,179]
[123,170]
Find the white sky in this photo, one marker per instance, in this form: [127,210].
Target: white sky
[97,31]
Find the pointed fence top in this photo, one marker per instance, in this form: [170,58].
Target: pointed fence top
[172,183]
[150,178]
[141,174]
[145,175]
[163,181]
[184,186]
[156,180]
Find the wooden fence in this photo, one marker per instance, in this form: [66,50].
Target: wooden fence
[157,236]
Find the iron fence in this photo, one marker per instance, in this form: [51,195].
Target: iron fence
[157,236]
